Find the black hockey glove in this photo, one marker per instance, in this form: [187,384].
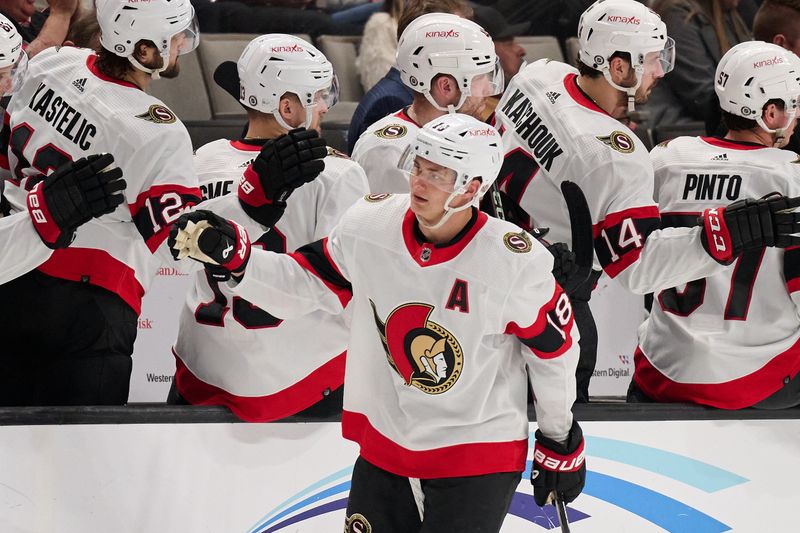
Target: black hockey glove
[283,165]
[558,468]
[750,224]
[72,195]
[223,246]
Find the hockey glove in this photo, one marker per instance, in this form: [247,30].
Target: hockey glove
[72,195]
[558,467]
[750,224]
[223,246]
[283,165]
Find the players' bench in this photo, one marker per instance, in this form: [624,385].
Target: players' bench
[539,47]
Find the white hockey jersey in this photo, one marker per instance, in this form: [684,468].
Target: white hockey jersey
[552,133]
[379,148]
[68,109]
[229,352]
[23,250]
[435,384]
[219,165]
[728,340]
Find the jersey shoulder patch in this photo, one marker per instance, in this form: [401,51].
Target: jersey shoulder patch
[518,242]
[391,131]
[158,114]
[374,198]
[619,141]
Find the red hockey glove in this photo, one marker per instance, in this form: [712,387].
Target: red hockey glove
[223,246]
[750,224]
[283,165]
[72,195]
[558,468]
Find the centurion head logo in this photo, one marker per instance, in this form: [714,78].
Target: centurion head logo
[422,352]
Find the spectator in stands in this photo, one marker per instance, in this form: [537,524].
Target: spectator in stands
[509,52]
[41,29]
[390,94]
[267,16]
[703,31]
[778,22]
[379,44]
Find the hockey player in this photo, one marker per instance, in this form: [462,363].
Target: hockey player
[448,305]
[50,207]
[560,124]
[229,352]
[69,337]
[730,340]
[450,64]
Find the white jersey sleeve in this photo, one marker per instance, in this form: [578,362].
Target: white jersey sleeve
[553,132]
[346,184]
[23,250]
[378,151]
[550,342]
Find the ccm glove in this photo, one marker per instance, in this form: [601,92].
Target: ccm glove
[72,195]
[559,468]
[750,224]
[223,246]
[284,164]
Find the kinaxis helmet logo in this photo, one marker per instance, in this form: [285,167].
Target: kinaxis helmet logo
[293,48]
[425,354]
[624,20]
[768,62]
[441,34]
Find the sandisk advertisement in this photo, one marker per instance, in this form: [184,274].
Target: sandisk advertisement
[676,476]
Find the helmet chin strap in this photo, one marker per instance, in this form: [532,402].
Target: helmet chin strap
[778,134]
[450,107]
[630,91]
[154,72]
[306,124]
[448,211]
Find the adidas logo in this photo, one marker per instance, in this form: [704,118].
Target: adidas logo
[720,157]
[552,96]
[79,84]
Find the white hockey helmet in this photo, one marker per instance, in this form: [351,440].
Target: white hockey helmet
[470,148]
[13,59]
[275,64]
[610,26]
[751,74]
[123,23]
[442,43]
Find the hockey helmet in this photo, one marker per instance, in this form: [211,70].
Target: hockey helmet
[275,64]
[13,59]
[442,43]
[751,74]
[610,26]
[123,23]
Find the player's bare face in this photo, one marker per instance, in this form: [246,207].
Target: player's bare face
[653,71]
[6,80]
[430,186]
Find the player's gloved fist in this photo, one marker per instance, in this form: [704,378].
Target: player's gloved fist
[72,195]
[750,224]
[284,164]
[559,468]
[223,246]
[564,264]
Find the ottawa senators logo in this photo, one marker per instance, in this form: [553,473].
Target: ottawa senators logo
[619,141]
[357,523]
[422,352]
[519,243]
[158,114]
[377,197]
[392,131]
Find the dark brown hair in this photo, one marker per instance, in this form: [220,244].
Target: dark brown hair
[416,8]
[737,123]
[777,17]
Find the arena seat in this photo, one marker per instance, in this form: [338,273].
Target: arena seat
[342,50]
[186,95]
[571,48]
[539,47]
